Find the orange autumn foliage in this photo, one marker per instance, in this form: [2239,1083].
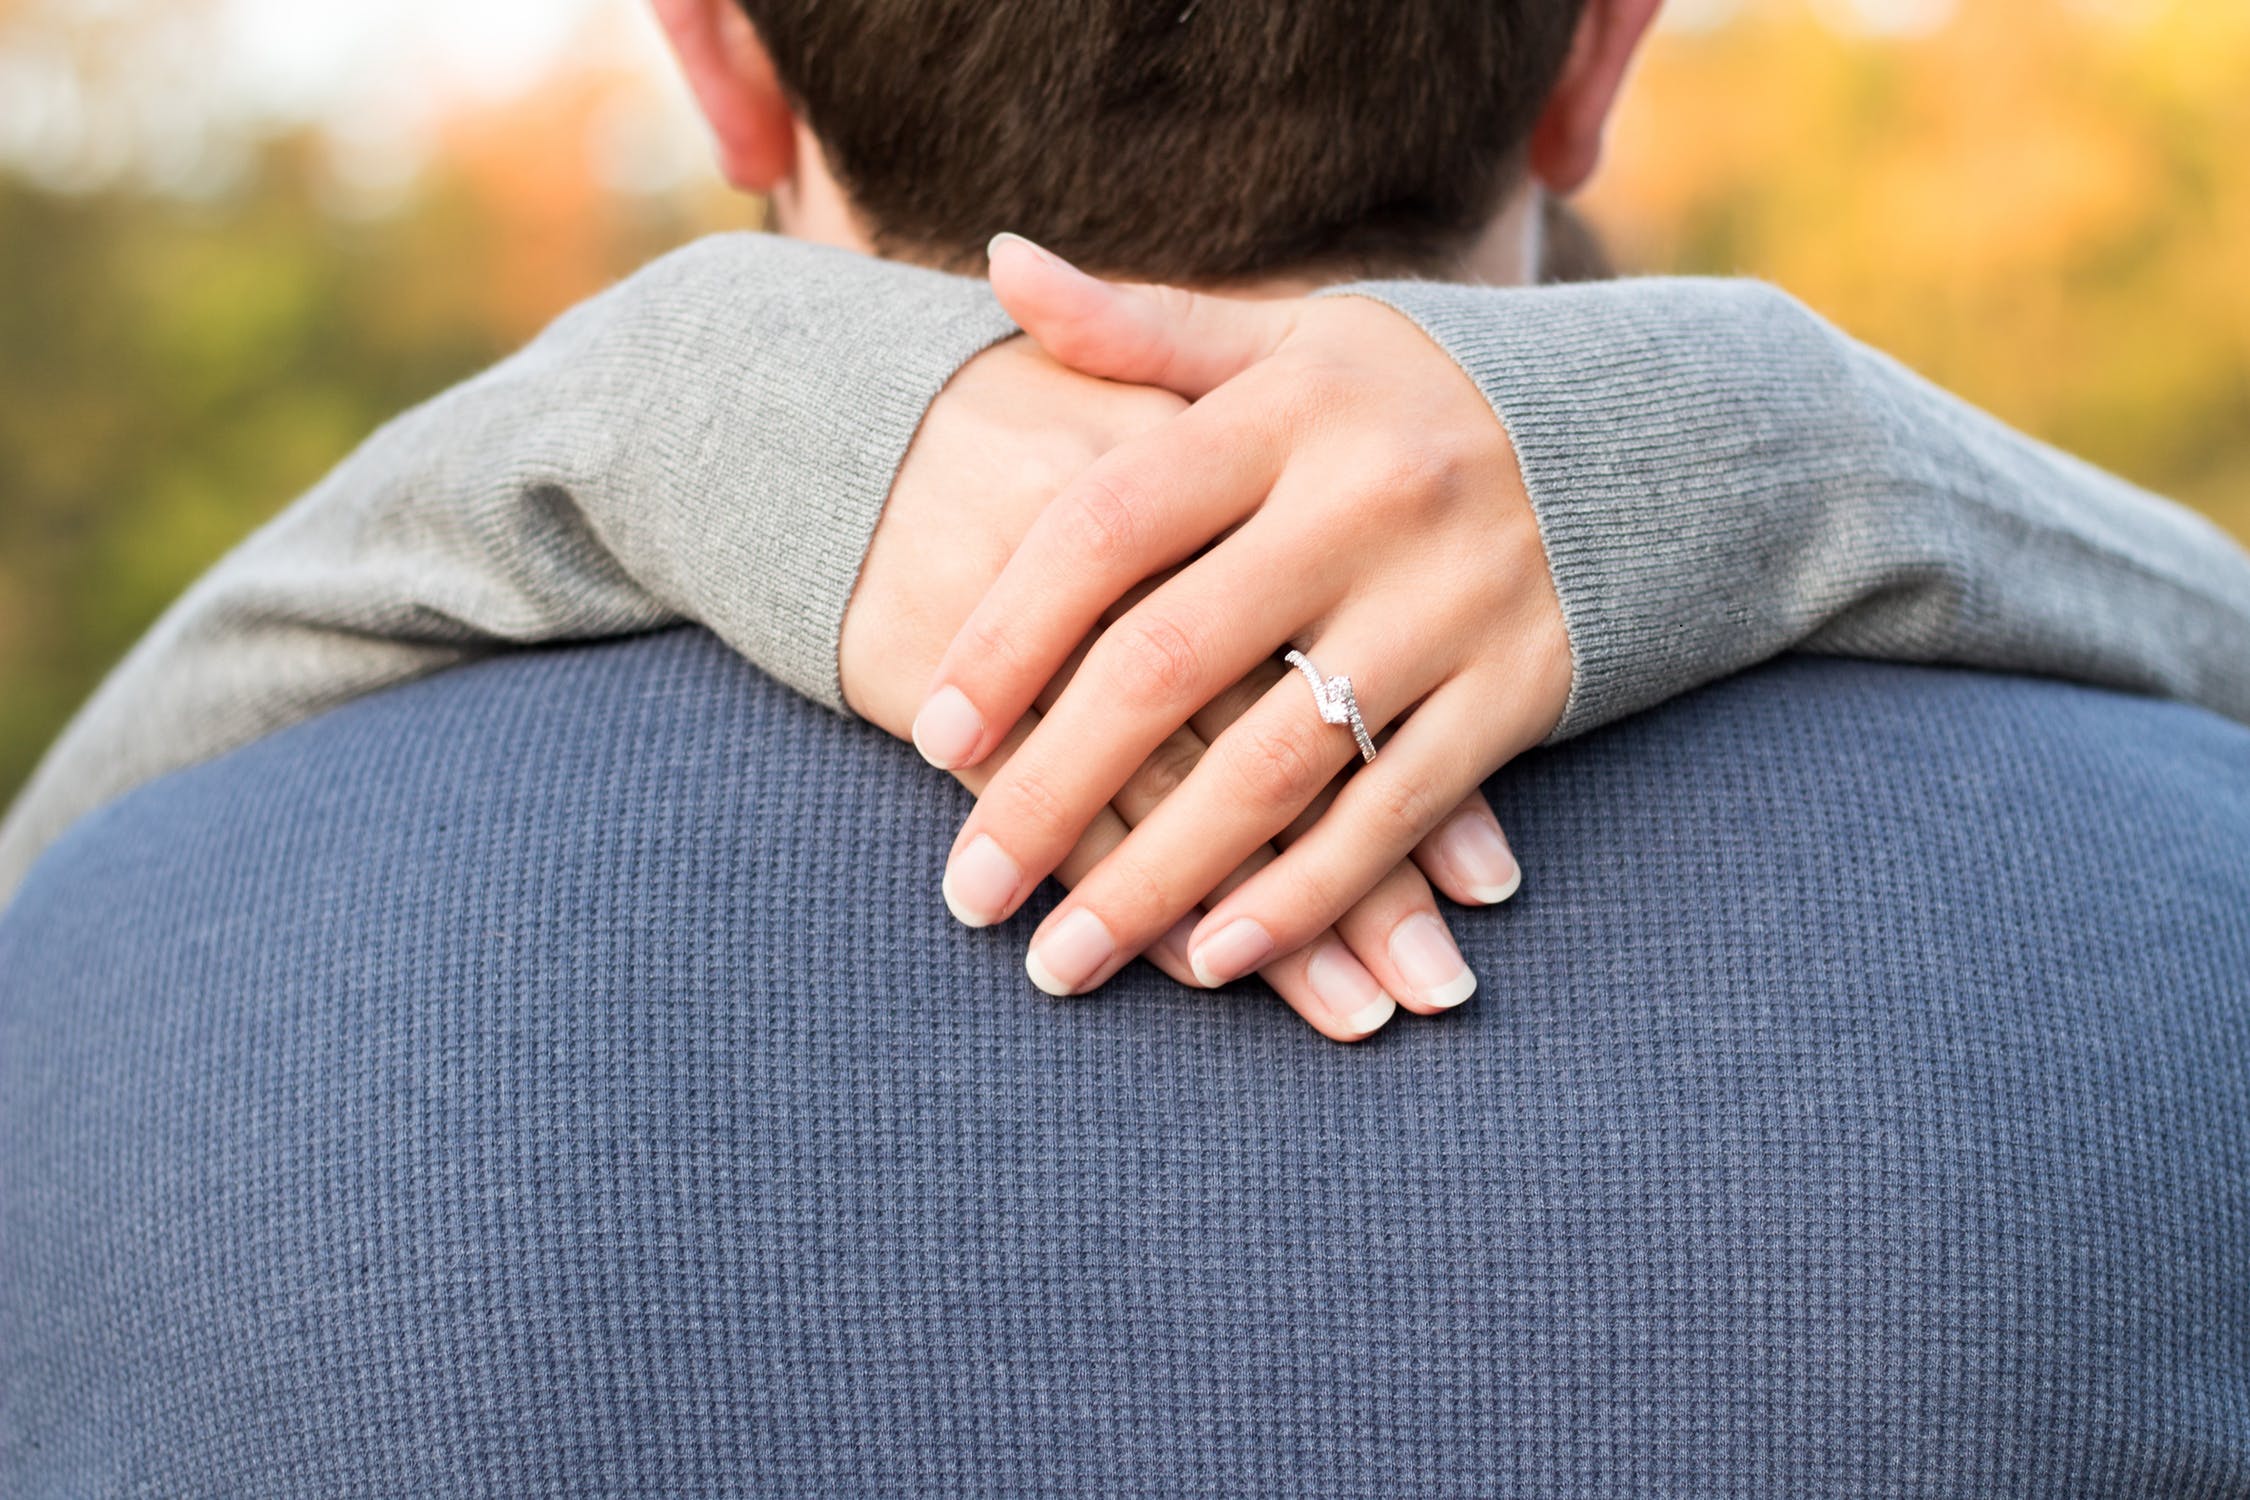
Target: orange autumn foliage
[2041,204]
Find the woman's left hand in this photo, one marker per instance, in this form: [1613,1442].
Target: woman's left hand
[1338,486]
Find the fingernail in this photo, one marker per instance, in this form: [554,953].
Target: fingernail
[1069,953]
[1174,944]
[1481,857]
[1010,237]
[1429,963]
[980,882]
[1231,952]
[1348,990]
[947,729]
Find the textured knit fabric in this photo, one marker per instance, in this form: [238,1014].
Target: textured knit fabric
[558,1077]
[1719,476]
[1671,493]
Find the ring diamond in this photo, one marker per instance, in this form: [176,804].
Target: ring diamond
[1333,696]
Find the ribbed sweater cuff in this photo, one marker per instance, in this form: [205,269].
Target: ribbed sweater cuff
[1631,406]
[803,374]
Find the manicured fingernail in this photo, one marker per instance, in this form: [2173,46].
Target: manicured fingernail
[1348,990]
[1069,953]
[980,882]
[1481,857]
[1231,952]
[1174,944]
[1009,237]
[947,729]
[1429,963]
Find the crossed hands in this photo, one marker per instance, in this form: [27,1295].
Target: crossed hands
[1096,553]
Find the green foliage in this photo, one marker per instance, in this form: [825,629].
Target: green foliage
[170,375]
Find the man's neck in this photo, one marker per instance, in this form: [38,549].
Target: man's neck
[811,205]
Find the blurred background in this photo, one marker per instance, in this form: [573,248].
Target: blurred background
[238,234]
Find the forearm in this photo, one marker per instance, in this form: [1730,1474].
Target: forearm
[711,440]
[1720,476]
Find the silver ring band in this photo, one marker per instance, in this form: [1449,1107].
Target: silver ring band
[1333,697]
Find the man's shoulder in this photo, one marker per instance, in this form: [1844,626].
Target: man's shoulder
[474,764]
[2009,830]
[564,1067]
[669,737]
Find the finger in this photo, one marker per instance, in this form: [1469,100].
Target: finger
[1387,925]
[1145,506]
[1107,830]
[1442,751]
[1077,658]
[1258,776]
[1105,833]
[1141,680]
[1186,342]
[1378,927]
[1326,983]
[1468,856]
[1399,935]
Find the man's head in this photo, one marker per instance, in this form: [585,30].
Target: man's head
[1199,141]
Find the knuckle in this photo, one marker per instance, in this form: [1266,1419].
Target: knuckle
[995,650]
[1155,661]
[1314,893]
[1276,766]
[1030,801]
[1104,519]
[1406,806]
[1420,469]
[1077,337]
[1322,388]
[1135,896]
[1408,480]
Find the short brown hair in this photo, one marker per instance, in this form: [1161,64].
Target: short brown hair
[1176,140]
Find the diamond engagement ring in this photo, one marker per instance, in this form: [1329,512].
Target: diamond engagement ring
[1333,696]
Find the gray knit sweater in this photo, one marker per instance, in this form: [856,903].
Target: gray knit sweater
[1719,477]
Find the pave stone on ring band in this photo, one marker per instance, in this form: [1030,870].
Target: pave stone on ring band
[1333,696]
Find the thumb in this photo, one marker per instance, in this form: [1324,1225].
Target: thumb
[1166,336]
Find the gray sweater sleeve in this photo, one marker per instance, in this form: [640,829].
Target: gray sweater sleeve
[1720,476]
[712,439]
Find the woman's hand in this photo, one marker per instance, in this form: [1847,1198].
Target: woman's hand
[1339,486]
[1007,433]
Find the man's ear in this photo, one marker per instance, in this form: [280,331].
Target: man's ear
[1566,145]
[736,88]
